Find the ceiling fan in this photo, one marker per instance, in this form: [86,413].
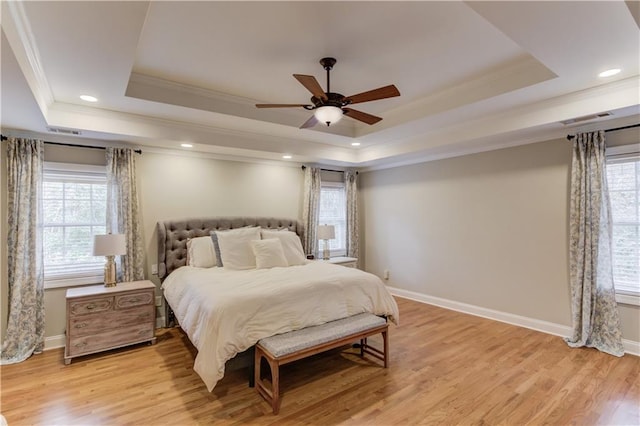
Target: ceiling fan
[328,106]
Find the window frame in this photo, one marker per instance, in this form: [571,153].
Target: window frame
[78,278]
[613,155]
[342,251]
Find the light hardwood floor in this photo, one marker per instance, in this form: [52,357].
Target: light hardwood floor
[445,368]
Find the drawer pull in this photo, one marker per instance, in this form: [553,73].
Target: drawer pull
[91,306]
[81,344]
[81,325]
[135,300]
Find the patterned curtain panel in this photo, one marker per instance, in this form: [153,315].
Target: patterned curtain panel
[595,313]
[351,189]
[311,209]
[25,327]
[123,216]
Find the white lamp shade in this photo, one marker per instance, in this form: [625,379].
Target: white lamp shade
[326,232]
[109,245]
[328,114]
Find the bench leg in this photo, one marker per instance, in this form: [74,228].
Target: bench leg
[275,385]
[382,355]
[270,395]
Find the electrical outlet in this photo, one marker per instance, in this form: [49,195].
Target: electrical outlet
[158,301]
[154,269]
[386,274]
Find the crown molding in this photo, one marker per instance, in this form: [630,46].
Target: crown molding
[161,83]
[156,89]
[532,122]
[140,128]
[17,28]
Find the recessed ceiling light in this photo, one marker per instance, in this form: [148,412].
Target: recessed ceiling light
[287,157]
[88,98]
[355,143]
[186,145]
[609,73]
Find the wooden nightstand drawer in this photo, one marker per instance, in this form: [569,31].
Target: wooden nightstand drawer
[101,318]
[93,324]
[110,339]
[134,299]
[91,306]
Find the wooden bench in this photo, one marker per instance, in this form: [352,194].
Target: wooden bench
[288,347]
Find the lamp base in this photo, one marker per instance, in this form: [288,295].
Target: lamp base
[326,253]
[110,272]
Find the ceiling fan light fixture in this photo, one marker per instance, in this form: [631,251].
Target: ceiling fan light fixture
[328,114]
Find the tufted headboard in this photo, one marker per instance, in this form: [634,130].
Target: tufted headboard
[173,235]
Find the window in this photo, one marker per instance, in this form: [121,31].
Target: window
[74,199]
[623,178]
[333,211]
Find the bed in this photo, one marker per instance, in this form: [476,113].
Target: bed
[226,309]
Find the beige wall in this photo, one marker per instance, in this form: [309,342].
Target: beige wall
[487,229]
[174,187]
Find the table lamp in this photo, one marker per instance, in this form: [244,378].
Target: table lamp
[326,233]
[109,245]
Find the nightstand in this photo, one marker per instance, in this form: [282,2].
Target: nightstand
[100,318]
[349,262]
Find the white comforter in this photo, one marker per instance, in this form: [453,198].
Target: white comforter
[226,312]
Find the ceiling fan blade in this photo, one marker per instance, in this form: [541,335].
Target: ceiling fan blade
[312,121]
[373,95]
[312,85]
[361,116]
[280,105]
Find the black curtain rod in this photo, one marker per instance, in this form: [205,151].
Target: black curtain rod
[327,170]
[569,137]
[137,151]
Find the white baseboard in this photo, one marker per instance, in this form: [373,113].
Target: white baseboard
[630,346]
[54,342]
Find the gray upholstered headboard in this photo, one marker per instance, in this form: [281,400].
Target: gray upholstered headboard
[173,235]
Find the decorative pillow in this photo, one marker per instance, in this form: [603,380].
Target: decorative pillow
[269,253]
[200,252]
[216,248]
[291,245]
[235,250]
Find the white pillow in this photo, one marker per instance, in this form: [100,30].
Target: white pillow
[269,253]
[235,250]
[200,252]
[291,245]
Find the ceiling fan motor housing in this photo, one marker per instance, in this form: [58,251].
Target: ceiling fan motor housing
[333,99]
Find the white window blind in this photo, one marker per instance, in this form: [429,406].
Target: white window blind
[333,211]
[74,205]
[623,178]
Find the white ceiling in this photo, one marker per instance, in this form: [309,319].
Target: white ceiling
[473,75]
